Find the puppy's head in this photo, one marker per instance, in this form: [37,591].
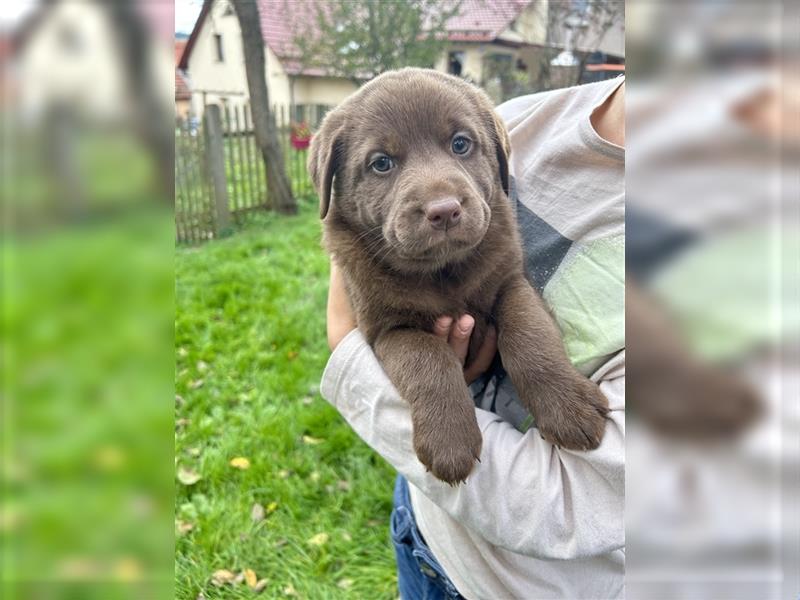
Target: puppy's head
[413,162]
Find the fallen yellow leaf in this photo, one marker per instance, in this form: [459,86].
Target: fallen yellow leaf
[240,462]
[109,458]
[345,583]
[222,576]
[250,578]
[188,476]
[272,507]
[260,586]
[312,441]
[319,539]
[78,567]
[127,569]
[257,513]
[183,527]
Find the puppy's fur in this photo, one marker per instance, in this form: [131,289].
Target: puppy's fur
[401,272]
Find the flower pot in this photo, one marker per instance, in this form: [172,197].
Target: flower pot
[300,143]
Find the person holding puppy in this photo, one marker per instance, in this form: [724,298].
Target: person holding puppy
[532,520]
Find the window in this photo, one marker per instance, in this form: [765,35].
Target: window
[498,63]
[455,63]
[499,69]
[218,47]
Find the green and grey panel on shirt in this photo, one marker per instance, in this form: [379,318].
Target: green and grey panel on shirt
[583,284]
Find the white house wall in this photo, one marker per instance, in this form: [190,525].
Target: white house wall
[613,42]
[329,91]
[85,74]
[71,58]
[474,53]
[215,82]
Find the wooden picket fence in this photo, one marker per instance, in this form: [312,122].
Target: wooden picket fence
[220,177]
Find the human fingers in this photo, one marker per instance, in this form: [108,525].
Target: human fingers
[460,334]
[483,359]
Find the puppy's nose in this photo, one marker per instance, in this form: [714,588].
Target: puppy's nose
[443,214]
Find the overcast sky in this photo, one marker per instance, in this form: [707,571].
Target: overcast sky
[186,12]
[12,12]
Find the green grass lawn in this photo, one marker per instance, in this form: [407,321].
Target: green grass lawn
[251,347]
[86,480]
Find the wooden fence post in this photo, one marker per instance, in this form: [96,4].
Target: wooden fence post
[216,168]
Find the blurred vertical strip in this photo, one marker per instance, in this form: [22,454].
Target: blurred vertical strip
[87,289]
[713,312]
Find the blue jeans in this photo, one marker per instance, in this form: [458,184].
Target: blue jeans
[419,574]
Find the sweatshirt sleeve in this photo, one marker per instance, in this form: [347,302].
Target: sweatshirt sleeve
[526,495]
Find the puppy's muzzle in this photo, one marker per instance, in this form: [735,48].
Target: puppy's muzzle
[443,214]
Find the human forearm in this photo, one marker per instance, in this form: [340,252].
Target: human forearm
[340,319]
[525,495]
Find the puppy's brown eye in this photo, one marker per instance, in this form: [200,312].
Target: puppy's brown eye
[460,144]
[382,164]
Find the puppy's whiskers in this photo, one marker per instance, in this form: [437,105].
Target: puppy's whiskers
[470,183]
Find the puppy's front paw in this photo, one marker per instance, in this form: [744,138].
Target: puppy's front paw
[696,402]
[573,416]
[449,452]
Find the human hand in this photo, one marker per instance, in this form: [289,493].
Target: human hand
[457,334]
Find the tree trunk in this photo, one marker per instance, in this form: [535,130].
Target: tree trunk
[153,118]
[279,191]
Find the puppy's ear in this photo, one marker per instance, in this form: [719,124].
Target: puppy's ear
[324,159]
[503,149]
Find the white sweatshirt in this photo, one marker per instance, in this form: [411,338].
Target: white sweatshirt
[532,521]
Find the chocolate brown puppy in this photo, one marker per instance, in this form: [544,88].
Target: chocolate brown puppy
[412,175]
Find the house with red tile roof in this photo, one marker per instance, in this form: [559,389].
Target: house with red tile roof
[214,61]
[68,54]
[183,93]
[486,37]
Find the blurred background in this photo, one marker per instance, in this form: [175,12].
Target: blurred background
[87,185]
[712,300]
[318,52]
[128,129]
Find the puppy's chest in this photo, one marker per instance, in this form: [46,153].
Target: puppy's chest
[418,303]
